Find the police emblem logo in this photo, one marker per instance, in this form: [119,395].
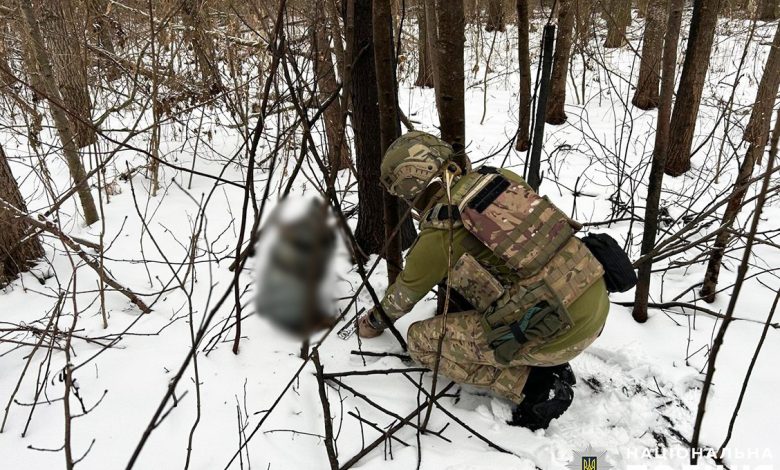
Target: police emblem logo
[589,459]
[590,463]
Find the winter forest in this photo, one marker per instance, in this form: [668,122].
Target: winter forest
[159,158]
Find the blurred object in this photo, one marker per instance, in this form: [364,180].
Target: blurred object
[367,327]
[295,253]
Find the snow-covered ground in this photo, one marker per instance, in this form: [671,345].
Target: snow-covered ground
[638,385]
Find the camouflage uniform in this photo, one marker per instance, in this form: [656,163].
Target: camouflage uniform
[466,355]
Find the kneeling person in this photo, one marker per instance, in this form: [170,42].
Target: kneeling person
[537,293]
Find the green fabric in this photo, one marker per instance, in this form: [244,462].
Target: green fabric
[427,264]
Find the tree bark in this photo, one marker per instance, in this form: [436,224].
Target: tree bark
[646,94]
[325,74]
[432,40]
[389,125]
[495,16]
[555,107]
[424,63]
[65,40]
[618,17]
[452,113]
[18,246]
[686,108]
[767,10]
[524,59]
[654,185]
[370,231]
[202,45]
[101,23]
[59,117]
[756,134]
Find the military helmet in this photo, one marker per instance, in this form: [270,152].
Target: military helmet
[412,161]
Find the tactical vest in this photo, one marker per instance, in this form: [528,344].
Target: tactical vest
[534,239]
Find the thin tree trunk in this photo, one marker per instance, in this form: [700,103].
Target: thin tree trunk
[18,248]
[325,73]
[101,23]
[452,114]
[365,121]
[389,126]
[555,107]
[495,16]
[202,45]
[654,185]
[59,117]
[756,134]
[424,63]
[618,17]
[686,108]
[524,59]
[432,39]
[646,94]
[65,41]
[767,10]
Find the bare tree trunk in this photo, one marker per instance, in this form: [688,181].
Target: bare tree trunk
[452,114]
[767,10]
[101,23]
[646,94]
[389,125]
[432,39]
[756,134]
[325,73]
[618,17]
[365,121]
[202,45]
[686,108]
[59,117]
[555,108]
[424,63]
[654,185]
[495,16]
[65,41]
[524,59]
[18,247]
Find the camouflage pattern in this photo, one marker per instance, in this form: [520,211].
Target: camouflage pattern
[523,228]
[466,357]
[475,283]
[412,161]
[397,301]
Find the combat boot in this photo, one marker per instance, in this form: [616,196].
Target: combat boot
[548,394]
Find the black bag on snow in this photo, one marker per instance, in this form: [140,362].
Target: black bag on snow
[619,274]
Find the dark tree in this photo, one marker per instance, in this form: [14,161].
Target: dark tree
[767,10]
[370,232]
[686,108]
[452,114]
[756,134]
[18,245]
[618,16]
[524,59]
[424,61]
[646,94]
[555,107]
[654,184]
[495,16]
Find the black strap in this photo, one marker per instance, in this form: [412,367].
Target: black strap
[444,212]
[489,193]
[520,337]
[487,170]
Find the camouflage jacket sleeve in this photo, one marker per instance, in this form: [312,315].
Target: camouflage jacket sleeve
[426,265]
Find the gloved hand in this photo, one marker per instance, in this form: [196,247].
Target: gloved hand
[366,326]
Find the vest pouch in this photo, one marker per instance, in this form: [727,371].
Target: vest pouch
[525,319]
[471,280]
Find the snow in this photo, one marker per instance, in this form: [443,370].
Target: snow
[636,383]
